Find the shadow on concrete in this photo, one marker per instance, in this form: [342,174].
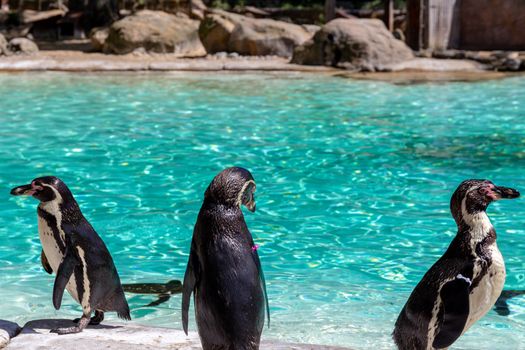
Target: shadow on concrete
[49,324]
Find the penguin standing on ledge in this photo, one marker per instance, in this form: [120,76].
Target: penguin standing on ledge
[75,253]
[224,272]
[463,285]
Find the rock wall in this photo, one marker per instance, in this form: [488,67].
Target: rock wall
[491,25]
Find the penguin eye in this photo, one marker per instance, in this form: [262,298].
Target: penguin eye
[248,194]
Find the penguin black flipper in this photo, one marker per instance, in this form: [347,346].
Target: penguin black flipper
[188,286]
[455,298]
[263,280]
[65,270]
[45,263]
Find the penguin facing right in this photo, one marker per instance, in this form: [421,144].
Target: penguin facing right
[224,272]
[463,285]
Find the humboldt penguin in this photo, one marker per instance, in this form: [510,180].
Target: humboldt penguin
[224,272]
[502,307]
[163,290]
[75,253]
[463,285]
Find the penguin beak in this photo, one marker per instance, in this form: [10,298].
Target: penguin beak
[24,190]
[505,192]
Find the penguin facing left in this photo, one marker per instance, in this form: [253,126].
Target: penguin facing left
[224,272]
[463,285]
[75,253]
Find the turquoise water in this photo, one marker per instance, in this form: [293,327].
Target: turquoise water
[354,180]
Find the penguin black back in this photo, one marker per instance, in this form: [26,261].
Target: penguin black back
[224,271]
[75,252]
[465,282]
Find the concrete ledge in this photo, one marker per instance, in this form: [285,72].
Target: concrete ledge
[75,61]
[35,335]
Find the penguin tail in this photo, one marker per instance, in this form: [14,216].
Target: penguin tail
[120,305]
[122,308]
[124,315]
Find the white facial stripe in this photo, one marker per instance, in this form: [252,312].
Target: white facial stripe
[53,208]
[57,200]
[54,255]
[243,189]
[85,297]
[479,224]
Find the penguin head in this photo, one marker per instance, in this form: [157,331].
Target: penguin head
[45,189]
[476,195]
[232,187]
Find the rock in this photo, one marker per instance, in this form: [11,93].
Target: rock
[311,28]
[267,37]
[198,9]
[98,37]
[155,31]
[449,54]
[22,46]
[224,31]
[221,55]
[215,30]
[507,64]
[505,61]
[255,12]
[399,34]
[357,44]
[8,330]
[3,46]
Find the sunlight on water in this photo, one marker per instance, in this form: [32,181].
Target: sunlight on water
[353,184]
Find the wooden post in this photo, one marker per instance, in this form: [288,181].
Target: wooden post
[389,14]
[414,32]
[329,10]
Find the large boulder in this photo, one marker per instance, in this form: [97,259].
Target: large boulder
[22,46]
[155,31]
[223,31]
[357,44]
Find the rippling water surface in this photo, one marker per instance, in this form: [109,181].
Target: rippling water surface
[354,180]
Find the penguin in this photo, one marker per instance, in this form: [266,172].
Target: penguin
[463,285]
[73,251]
[501,307]
[163,290]
[224,272]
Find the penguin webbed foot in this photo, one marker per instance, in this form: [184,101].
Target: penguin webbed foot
[95,320]
[82,324]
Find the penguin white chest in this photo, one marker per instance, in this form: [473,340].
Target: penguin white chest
[53,253]
[484,296]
